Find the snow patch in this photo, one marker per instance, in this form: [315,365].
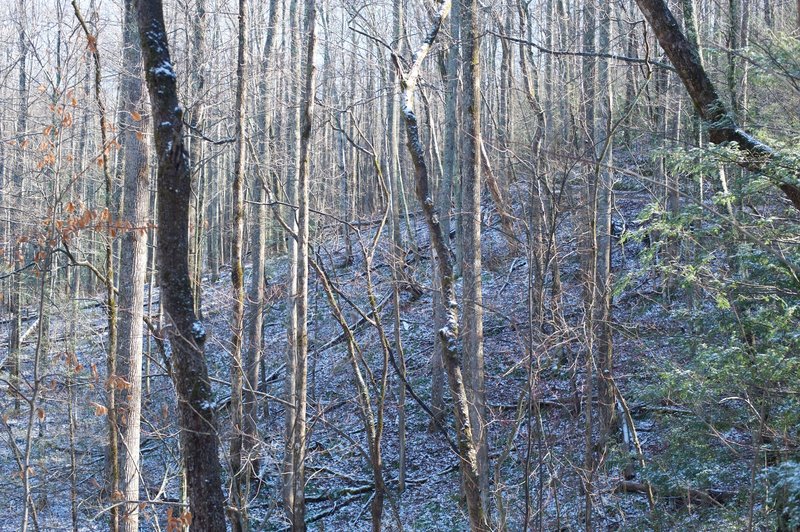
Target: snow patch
[198,331]
[164,70]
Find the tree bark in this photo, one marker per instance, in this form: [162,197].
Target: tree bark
[449,333]
[254,354]
[444,205]
[293,148]
[196,117]
[199,442]
[471,218]
[722,126]
[134,257]
[299,430]
[239,471]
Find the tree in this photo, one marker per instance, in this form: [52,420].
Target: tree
[133,127]
[471,218]
[299,401]
[468,453]
[199,442]
[722,125]
[239,471]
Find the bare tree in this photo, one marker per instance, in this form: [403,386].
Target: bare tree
[471,218]
[199,442]
[468,453]
[134,256]
[240,472]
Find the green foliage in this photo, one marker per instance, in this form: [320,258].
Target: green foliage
[731,385]
[785,496]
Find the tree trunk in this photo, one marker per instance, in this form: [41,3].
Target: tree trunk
[18,179]
[471,218]
[134,257]
[299,429]
[239,471]
[444,206]
[604,150]
[722,126]
[196,117]
[293,156]
[468,455]
[185,332]
[255,311]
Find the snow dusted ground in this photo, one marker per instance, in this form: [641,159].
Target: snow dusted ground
[339,476]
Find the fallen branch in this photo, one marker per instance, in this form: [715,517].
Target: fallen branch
[711,497]
[342,336]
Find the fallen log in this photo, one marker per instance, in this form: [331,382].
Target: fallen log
[710,497]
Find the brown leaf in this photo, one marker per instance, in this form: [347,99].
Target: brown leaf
[99,410]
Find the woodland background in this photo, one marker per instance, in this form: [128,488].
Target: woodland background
[353,265]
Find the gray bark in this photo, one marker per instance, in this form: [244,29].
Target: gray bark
[471,218]
[134,257]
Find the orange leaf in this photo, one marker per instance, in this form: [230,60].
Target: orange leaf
[117,382]
[40,413]
[136,116]
[99,410]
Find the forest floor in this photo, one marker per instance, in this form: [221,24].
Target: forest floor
[339,476]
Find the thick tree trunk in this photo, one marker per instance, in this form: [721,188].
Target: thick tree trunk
[199,442]
[722,126]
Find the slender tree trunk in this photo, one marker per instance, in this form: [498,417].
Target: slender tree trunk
[604,150]
[293,148]
[468,454]
[254,354]
[589,253]
[471,218]
[239,471]
[397,253]
[134,258]
[197,85]
[18,179]
[299,429]
[444,206]
[112,457]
